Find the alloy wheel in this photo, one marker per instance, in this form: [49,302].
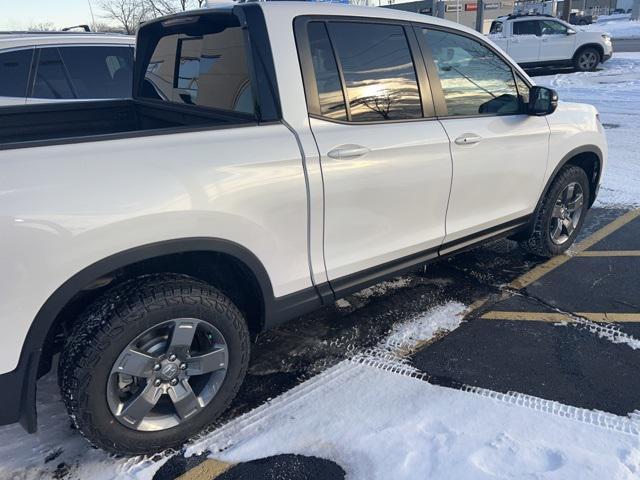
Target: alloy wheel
[588,60]
[167,374]
[566,213]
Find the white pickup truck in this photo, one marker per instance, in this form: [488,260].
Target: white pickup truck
[274,157]
[545,41]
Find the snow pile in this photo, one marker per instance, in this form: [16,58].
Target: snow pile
[617,26]
[615,92]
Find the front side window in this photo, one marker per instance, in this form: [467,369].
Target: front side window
[526,27]
[52,78]
[549,27]
[378,71]
[14,72]
[99,71]
[475,81]
[207,70]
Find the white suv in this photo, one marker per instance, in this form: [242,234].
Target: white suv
[545,41]
[274,157]
[40,67]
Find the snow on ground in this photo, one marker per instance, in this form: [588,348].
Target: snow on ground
[380,422]
[615,92]
[618,26]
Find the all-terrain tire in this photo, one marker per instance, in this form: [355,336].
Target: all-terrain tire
[539,241]
[115,319]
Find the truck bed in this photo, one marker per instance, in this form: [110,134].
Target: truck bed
[46,124]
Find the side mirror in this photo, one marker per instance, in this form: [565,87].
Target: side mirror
[570,31]
[542,101]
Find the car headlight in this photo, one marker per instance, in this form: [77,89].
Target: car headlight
[606,37]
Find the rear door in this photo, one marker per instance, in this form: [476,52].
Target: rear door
[499,152]
[525,41]
[385,159]
[15,66]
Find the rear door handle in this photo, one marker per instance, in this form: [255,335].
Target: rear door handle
[344,152]
[468,139]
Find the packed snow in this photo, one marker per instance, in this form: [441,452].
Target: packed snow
[615,92]
[617,26]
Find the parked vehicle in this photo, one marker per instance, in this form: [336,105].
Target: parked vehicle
[579,17]
[54,66]
[275,157]
[544,41]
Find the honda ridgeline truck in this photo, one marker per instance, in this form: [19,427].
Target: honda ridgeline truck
[274,157]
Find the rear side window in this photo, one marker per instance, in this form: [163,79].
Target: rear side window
[208,70]
[100,71]
[52,79]
[378,71]
[496,27]
[526,27]
[14,72]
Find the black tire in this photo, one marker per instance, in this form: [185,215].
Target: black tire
[539,241]
[587,59]
[114,320]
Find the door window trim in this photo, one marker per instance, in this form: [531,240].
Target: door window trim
[308,73]
[436,85]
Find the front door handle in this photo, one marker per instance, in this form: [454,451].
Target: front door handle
[344,152]
[468,139]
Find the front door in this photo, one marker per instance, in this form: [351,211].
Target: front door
[386,168]
[499,153]
[558,41]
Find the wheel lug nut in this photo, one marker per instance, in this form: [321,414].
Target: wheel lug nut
[157,382]
[156,367]
[172,357]
[174,381]
[183,366]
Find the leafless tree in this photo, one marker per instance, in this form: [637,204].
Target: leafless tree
[127,14]
[42,27]
[167,7]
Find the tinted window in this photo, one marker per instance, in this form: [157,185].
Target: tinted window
[52,79]
[326,73]
[99,72]
[474,79]
[496,27]
[14,72]
[527,27]
[378,71]
[549,27]
[208,70]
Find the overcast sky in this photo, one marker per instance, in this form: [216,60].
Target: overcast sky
[19,14]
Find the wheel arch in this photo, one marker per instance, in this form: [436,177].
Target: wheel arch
[597,46]
[37,352]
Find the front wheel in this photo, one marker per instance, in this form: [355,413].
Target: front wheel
[587,59]
[152,362]
[560,215]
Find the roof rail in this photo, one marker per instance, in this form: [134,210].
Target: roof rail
[84,28]
[528,14]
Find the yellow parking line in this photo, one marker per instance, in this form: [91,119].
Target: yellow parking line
[600,317]
[538,272]
[609,253]
[207,470]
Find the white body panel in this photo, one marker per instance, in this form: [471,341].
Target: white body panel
[388,203]
[69,206]
[499,178]
[524,48]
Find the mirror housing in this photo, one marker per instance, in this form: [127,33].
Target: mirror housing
[571,31]
[542,101]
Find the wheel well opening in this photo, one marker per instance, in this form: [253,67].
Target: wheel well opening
[599,48]
[223,271]
[590,163]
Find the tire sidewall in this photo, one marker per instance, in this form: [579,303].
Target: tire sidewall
[582,52]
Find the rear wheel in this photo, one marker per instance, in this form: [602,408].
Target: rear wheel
[561,213]
[587,59]
[153,362]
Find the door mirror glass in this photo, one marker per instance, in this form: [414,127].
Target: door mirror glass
[542,101]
